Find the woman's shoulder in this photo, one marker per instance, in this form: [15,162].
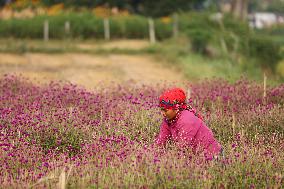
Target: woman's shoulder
[188,117]
[187,114]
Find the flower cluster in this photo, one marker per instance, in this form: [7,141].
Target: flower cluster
[104,138]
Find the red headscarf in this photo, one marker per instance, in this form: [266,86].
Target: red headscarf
[176,99]
[172,99]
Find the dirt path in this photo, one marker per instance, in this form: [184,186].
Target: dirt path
[115,44]
[88,70]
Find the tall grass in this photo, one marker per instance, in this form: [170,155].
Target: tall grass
[83,26]
[62,133]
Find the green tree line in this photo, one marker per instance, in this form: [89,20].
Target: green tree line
[146,7]
[160,8]
[157,8]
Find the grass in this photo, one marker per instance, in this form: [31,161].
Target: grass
[65,46]
[173,53]
[216,64]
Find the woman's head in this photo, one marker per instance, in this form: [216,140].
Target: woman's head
[174,100]
[171,101]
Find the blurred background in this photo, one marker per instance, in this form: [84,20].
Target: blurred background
[93,41]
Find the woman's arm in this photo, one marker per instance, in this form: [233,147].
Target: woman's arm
[187,128]
[164,134]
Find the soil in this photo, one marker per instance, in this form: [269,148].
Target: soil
[89,70]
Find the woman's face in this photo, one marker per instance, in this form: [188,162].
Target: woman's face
[169,113]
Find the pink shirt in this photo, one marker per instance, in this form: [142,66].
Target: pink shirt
[191,131]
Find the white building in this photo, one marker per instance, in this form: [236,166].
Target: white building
[264,19]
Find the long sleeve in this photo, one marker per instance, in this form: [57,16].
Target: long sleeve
[192,132]
[187,128]
[164,134]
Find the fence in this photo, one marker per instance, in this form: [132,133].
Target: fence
[107,29]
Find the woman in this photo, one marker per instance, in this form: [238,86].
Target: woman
[184,126]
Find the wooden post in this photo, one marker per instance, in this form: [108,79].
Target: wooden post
[188,93]
[223,43]
[239,8]
[236,45]
[62,180]
[264,85]
[152,31]
[234,124]
[67,28]
[106,29]
[175,25]
[46,30]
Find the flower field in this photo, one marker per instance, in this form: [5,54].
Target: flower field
[62,135]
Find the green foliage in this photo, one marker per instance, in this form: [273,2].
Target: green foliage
[234,33]
[276,6]
[265,49]
[146,7]
[196,20]
[128,27]
[199,29]
[87,26]
[135,27]
[70,2]
[68,139]
[22,28]
[237,27]
[280,69]
[167,7]
[82,25]
[277,30]
[196,67]
[163,30]
[199,40]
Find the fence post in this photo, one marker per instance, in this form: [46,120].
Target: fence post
[223,42]
[264,85]
[175,25]
[152,31]
[106,29]
[62,180]
[67,28]
[46,30]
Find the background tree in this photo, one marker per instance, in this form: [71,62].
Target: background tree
[151,8]
[160,8]
[276,6]
[85,3]
[254,6]
[4,2]
[239,9]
